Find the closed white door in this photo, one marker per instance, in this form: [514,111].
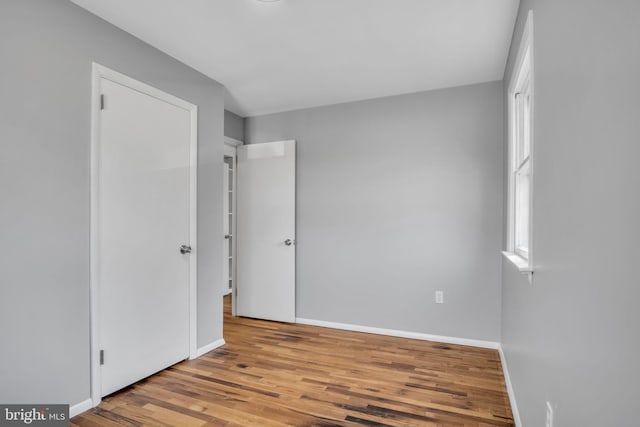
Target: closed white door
[143,213]
[266,231]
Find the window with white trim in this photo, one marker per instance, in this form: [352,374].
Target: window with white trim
[521,168]
[520,100]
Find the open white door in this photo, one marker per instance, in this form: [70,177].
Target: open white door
[266,231]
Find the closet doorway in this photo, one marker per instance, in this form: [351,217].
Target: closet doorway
[229,218]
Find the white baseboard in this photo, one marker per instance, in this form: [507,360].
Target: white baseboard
[79,408]
[402,334]
[207,348]
[512,395]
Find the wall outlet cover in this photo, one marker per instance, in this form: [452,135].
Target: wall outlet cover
[439,297]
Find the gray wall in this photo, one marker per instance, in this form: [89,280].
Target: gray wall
[233,126]
[572,336]
[47,47]
[396,198]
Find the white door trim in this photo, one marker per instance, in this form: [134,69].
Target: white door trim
[232,141]
[230,150]
[99,72]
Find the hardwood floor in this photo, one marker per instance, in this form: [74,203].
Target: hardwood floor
[275,374]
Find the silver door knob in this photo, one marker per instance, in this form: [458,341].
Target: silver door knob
[288,242]
[185,249]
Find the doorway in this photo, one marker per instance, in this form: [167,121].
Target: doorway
[229,215]
[229,218]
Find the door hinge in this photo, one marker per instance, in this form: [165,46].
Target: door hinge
[101,357]
[102,101]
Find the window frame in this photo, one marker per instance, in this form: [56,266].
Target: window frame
[520,152]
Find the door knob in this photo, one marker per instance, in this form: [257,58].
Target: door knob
[185,249]
[288,242]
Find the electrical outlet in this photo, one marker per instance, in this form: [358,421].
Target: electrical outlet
[439,297]
[549,422]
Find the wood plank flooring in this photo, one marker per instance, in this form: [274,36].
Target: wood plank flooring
[275,374]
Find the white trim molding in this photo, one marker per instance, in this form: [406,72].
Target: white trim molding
[232,141]
[510,391]
[101,72]
[193,231]
[521,74]
[520,263]
[81,407]
[209,347]
[400,334]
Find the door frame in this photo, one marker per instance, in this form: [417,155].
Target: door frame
[99,72]
[231,150]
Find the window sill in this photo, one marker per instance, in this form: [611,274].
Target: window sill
[520,263]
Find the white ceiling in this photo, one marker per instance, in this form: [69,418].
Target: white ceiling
[294,54]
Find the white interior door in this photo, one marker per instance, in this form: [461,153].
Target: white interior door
[266,231]
[143,218]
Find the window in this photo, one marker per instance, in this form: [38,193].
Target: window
[520,100]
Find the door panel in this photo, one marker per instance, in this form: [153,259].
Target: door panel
[266,220]
[143,218]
